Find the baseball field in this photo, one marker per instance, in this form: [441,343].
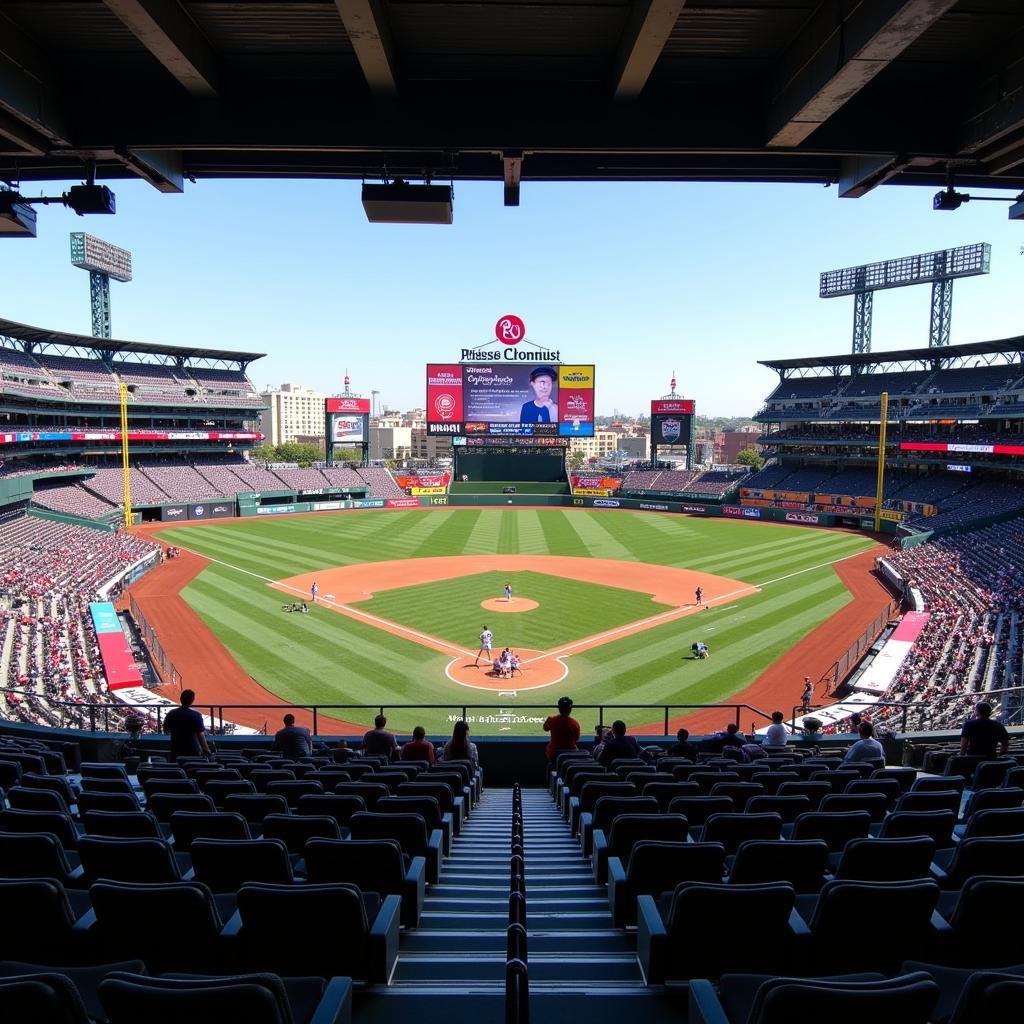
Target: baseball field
[603,608]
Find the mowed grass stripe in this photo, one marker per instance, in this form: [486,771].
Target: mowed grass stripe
[483,538]
[559,535]
[599,540]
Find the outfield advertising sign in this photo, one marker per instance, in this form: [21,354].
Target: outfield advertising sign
[173,513]
[654,507]
[368,503]
[802,517]
[402,502]
[697,510]
[607,503]
[740,512]
[274,510]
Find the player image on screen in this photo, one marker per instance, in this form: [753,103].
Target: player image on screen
[541,409]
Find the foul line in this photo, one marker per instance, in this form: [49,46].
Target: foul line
[597,640]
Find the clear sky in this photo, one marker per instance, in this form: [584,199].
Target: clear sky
[641,279]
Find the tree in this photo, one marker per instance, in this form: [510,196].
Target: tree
[750,457]
[576,460]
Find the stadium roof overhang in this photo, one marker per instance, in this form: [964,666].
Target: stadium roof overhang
[37,337]
[981,350]
[843,92]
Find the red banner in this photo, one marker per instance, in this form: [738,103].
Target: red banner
[444,393]
[345,404]
[422,481]
[118,661]
[575,405]
[684,406]
[403,503]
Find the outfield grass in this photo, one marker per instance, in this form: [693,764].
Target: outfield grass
[567,609]
[325,657]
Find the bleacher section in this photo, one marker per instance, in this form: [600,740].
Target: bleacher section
[715,482]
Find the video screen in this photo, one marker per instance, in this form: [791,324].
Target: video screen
[535,400]
[348,429]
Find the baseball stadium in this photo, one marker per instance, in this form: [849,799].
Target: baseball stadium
[512,732]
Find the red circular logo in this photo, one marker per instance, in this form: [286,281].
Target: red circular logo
[510,330]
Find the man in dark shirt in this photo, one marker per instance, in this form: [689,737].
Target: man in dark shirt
[620,745]
[981,736]
[186,729]
[683,747]
[293,740]
[378,742]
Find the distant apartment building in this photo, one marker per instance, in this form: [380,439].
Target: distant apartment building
[428,448]
[391,442]
[293,412]
[734,441]
[600,446]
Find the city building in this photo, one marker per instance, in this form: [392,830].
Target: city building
[292,412]
[390,442]
[600,446]
[430,449]
[734,441]
[637,447]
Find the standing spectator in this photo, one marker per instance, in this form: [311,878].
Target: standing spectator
[418,748]
[459,748]
[564,729]
[981,736]
[293,740]
[186,728]
[378,742]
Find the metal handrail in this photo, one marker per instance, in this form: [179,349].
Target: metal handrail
[517,992]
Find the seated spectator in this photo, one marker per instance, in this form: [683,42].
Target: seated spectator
[776,734]
[604,734]
[620,745]
[683,747]
[459,747]
[418,748]
[378,742]
[867,748]
[293,740]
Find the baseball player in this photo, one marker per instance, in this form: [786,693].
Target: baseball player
[486,643]
[508,591]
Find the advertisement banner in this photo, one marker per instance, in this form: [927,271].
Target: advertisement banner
[424,491]
[575,398]
[368,503]
[348,429]
[133,435]
[169,513]
[891,516]
[762,502]
[115,650]
[651,506]
[802,517]
[439,429]
[405,480]
[671,429]
[594,492]
[200,510]
[607,503]
[328,506]
[402,503]
[444,393]
[741,512]
[696,510]
[346,404]
[274,510]
[679,406]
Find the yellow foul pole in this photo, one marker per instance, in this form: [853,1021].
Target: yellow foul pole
[124,457]
[880,485]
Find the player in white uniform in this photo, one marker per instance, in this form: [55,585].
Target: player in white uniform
[486,642]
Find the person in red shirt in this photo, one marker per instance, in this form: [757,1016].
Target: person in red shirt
[564,729]
[418,748]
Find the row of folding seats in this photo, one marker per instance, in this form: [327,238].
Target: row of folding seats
[849,926]
[123,993]
[181,926]
[919,993]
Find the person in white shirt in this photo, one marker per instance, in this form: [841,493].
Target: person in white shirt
[867,748]
[777,733]
[486,643]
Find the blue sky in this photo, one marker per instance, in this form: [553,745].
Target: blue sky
[641,279]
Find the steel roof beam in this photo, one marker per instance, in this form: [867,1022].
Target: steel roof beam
[174,39]
[27,94]
[649,26]
[370,34]
[842,47]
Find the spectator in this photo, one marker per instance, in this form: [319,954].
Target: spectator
[776,734]
[459,748]
[604,734]
[683,747]
[564,729]
[186,728]
[418,748]
[867,748]
[620,745]
[293,740]
[981,737]
[378,742]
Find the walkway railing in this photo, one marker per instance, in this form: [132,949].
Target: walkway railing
[164,666]
[517,974]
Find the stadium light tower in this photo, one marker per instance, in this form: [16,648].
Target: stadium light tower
[103,261]
[939,268]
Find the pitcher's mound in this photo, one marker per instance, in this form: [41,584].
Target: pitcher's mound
[517,604]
